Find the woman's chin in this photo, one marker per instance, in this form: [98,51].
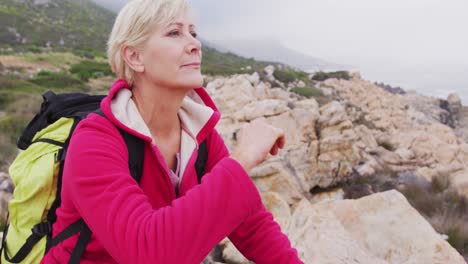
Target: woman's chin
[194,82]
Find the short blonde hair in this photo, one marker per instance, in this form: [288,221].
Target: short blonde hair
[133,26]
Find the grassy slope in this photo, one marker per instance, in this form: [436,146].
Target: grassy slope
[79,24]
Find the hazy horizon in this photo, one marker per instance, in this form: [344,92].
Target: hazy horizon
[416,44]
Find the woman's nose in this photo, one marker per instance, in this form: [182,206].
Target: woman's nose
[194,45]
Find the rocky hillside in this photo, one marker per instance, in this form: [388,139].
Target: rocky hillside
[351,140]
[54,23]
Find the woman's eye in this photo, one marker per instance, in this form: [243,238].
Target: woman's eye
[194,34]
[174,33]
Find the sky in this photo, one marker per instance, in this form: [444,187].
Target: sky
[417,44]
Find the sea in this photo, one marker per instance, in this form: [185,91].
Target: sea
[430,80]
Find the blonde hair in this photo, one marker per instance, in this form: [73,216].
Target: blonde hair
[133,27]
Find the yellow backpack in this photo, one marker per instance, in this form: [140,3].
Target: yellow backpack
[37,172]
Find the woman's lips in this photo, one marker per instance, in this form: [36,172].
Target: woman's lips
[192,65]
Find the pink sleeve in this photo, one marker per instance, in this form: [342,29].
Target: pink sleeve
[124,222]
[259,237]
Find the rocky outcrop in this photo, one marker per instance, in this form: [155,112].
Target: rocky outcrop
[409,130]
[382,228]
[363,131]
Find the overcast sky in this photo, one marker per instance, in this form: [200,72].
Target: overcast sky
[424,37]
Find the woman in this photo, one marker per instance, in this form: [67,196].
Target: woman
[169,218]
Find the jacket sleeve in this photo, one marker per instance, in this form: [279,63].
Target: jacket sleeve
[259,238]
[97,178]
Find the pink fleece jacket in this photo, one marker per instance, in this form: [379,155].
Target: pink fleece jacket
[148,223]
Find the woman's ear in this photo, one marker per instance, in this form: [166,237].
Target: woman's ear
[133,59]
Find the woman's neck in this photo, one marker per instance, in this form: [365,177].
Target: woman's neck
[158,107]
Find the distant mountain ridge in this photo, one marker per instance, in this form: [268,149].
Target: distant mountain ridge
[55,23]
[273,50]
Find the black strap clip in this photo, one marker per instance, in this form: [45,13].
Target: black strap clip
[42,229]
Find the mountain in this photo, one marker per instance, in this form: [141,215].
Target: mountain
[273,50]
[79,24]
[114,5]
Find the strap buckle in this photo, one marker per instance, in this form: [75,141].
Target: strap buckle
[41,229]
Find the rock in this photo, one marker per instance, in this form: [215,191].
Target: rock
[300,84]
[278,93]
[215,256]
[454,104]
[332,114]
[6,191]
[405,153]
[337,155]
[264,108]
[254,79]
[261,91]
[269,70]
[380,228]
[274,176]
[234,93]
[278,207]
[231,254]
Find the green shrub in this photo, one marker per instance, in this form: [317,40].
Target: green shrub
[33,49]
[87,69]
[440,183]
[6,98]
[12,83]
[322,76]
[44,73]
[59,80]
[224,64]
[458,238]
[88,53]
[8,153]
[307,91]
[13,125]
[284,76]
[387,145]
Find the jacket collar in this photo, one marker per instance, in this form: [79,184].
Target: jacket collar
[198,113]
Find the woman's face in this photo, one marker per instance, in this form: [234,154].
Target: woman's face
[172,55]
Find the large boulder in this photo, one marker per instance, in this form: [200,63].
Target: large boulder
[381,228]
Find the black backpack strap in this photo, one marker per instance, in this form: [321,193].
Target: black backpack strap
[80,247]
[136,151]
[37,233]
[136,154]
[5,231]
[201,160]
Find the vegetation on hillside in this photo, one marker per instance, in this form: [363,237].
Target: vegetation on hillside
[81,25]
[224,64]
[322,76]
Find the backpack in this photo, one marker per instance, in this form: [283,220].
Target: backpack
[37,176]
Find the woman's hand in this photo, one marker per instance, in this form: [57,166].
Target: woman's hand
[255,141]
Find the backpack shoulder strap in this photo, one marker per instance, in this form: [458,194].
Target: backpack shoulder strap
[135,148]
[201,160]
[136,151]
